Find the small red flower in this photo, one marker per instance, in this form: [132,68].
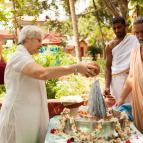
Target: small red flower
[69,141]
[128,141]
[53,131]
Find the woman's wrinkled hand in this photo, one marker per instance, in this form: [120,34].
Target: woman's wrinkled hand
[88,69]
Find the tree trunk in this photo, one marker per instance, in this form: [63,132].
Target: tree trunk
[111,8]
[123,6]
[75,29]
[15,23]
[117,7]
[137,10]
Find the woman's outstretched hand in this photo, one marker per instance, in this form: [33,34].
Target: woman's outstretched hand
[88,69]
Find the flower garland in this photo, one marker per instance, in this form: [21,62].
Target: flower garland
[76,135]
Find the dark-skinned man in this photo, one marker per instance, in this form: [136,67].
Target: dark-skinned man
[118,58]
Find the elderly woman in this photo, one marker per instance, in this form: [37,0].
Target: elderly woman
[24,114]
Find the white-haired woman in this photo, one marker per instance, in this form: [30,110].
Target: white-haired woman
[24,113]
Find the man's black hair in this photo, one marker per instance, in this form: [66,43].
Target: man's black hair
[118,19]
[139,20]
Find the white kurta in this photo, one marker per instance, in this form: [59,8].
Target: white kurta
[24,113]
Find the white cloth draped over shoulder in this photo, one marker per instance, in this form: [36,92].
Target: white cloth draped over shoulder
[120,64]
[24,113]
[121,54]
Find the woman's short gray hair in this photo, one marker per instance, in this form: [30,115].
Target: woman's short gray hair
[29,31]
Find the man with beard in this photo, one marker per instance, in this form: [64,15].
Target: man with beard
[134,81]
[118,58]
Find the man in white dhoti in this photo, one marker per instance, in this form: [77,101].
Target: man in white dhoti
[118,58]
[24,113]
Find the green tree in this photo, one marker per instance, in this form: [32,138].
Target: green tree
[16,9]
[94,25]
[122,7]
[137,7]
[63,27]
[4,13]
